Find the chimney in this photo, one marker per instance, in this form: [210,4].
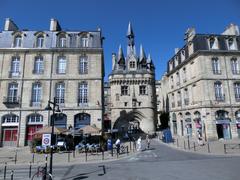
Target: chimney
[114,59]
[232,29]
[10,25]
[54,25]
[189,34]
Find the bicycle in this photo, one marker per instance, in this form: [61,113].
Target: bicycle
[41,174]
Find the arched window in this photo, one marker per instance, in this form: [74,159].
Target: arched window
[213,44]
[231,44]
[81,120]
[60,93]
[17,41]
[40,41]
[60,120]
[38,65]
[219,95]
[237,115]
[237,91]
[10,118]
[221,114]
[83,94]
[83,65]
[36,94]
[235,65]
[35,119]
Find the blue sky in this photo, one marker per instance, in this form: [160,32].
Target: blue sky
[158,25]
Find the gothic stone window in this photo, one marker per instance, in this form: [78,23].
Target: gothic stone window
[142,90]
[132,64]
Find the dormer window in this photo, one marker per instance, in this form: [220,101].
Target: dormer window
[62,41]
[213,44]
[176,60]
[17,41]
[231,44]
[132,64]
[84,41]
[183,55]
[40,41]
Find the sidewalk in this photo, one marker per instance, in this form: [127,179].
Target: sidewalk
[23,156]
[219,147]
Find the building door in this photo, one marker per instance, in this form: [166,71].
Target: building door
[10,136]
[31,129]
[182,129]
[226,131]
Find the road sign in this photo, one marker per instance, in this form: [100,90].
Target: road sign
[46,139]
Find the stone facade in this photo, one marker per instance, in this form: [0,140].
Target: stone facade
[203,85]
[132,89]
[36,66]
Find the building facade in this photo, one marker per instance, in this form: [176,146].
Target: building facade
[36,66]
[204,85]
[132,87]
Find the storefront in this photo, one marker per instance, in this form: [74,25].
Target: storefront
[34,123]
[10,124]
[188,125]
[223,125]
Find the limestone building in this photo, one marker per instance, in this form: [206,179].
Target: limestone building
[36,66]
[204,85]
[132,87]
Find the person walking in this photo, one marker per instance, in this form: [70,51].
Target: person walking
[139,144]
[117,143]
[148,141]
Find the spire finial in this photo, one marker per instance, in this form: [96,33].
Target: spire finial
[120,53]
[130,31]
[142,54]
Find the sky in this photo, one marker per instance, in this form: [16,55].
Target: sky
[159,25]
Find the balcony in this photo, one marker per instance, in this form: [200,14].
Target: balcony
[216,71]
[220,97]
[11,101]
[235,72]
[14,74]
[186,101]
[237,97]
[38,71]
[35,104]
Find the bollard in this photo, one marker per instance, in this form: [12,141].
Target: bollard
[127,150]
[194,146]
[117,154]
[130,145]
[102,154]
[5,170]
[177,143]
[184,144]
[225,149]
[68,156]
[12,175]
[46,160]
[30,170]
[112,151]
[33,155]
[15,160]
[208,147]
[188,143]
[104,169]
[86,155]
[73,153]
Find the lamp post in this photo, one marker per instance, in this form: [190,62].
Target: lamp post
[49,108]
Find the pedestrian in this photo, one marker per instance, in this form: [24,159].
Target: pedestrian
[200,141]
[117,143]
[148,141]
[139,144]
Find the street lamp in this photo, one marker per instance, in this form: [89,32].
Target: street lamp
[49,108]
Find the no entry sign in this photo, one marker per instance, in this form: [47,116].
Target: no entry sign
[46,139]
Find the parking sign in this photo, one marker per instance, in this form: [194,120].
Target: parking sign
[46,139]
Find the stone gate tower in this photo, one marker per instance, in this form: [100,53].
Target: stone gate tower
[132,86]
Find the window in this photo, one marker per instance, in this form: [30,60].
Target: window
[186,97]
[213,43]
[12,92]
[17,41]
[36,94]
[173,100]
[172,82]
[178,78]
[60,93]
[61,66]
[83,93]
[237,91]
[62,41]
[216,66]
[132,64]
[11,118]
[183,55]
[38,65]
[184,75]
[179,101]
[15,66]
[84,41]
[83,65]
[235,66]
[124,90]
[40,41]
[35,118]
[219,91]
[142,90]
[125,104]
[231,44]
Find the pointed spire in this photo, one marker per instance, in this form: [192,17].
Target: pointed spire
[142,57]
[120,55]
[150,64]
[130,30]
[149,59]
